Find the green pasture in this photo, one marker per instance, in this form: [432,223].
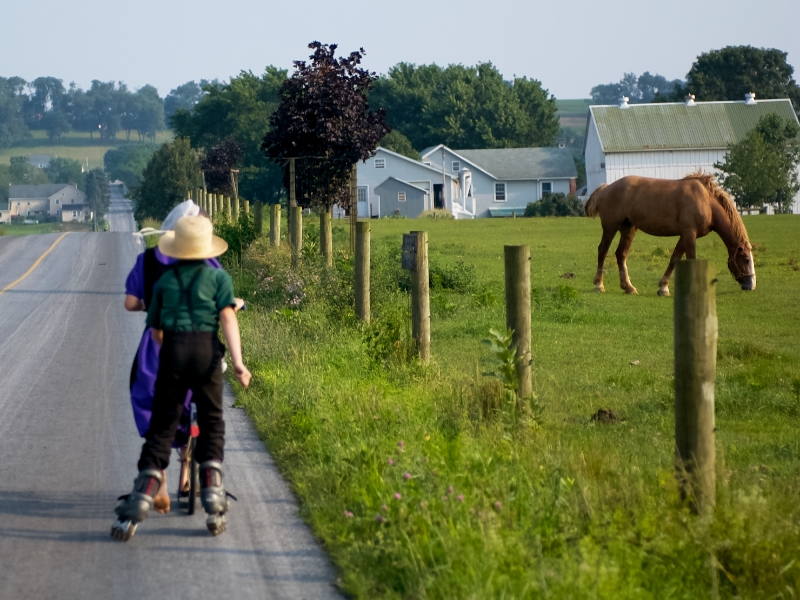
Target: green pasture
[43,228]
[75,145]
[576,107]
[419,485]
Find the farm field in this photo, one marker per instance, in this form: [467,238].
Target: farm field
[75,145]
[419,484]
[572,114]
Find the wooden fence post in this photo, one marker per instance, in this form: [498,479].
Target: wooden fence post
[353,206]
[246,206]
[274,225]
[421,297]
[326,236]
[296,234]
[362,271]
[235,208]
[695,371]
[258,217]
[518,312]
[292,193]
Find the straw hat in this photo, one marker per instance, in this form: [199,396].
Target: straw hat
[192,239]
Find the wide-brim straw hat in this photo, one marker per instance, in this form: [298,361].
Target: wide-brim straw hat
[192,239]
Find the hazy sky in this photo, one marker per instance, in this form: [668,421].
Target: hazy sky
[569,46]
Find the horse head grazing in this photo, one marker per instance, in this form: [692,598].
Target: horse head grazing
[742,266]
[740,252]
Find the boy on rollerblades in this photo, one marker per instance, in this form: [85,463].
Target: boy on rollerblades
[190,302]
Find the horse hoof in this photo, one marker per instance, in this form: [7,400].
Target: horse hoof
[631,292]
[599,288]
[663,292]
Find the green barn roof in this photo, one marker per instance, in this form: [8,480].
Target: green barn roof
[706,125]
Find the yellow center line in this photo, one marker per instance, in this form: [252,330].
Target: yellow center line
[34,265]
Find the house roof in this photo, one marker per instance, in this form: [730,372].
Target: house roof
[4,206]
[411,160]
[405,183]
[523,163]
[673,126]
[35,192]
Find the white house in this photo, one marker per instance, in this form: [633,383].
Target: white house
[669,140]
[469,183]
[5,213]
[62,201]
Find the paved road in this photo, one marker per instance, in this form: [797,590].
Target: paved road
[68,448]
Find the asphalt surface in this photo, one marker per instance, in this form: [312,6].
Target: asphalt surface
[68,448]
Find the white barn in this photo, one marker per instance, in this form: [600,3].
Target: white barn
[669,140]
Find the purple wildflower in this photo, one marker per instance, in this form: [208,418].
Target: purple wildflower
[348,514]
[397,496]
[407,476]
[380,518]
[450,489]
[460,497]
[385,508]
[391,462]
[498,506]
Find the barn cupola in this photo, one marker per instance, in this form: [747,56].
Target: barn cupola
[623,102]
[749,98]
[690,100]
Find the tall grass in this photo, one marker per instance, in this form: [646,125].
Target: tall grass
[410,478]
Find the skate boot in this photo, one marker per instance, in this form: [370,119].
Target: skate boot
[213,497]
[135,506]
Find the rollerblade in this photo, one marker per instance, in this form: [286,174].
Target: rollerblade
[213,497]
[135,506]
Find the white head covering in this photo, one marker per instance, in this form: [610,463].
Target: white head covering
[186,208]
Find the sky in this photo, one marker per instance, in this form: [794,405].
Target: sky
[570,46]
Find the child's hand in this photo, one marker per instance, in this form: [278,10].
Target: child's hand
[243,374]
[238,304]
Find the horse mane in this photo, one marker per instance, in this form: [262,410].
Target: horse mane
[725,202]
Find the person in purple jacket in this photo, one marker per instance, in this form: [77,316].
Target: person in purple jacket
[149,266]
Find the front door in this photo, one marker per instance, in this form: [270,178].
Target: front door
[438,196]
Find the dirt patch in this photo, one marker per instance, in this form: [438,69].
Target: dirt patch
[605,415]
[793,264]
[568,276]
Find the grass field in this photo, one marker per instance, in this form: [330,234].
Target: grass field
[578,107]
[75,145]
[43,228]
[420,486]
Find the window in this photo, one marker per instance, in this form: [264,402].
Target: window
[427,163]
[74,213]
[58,201]
[380,163]
[456,166]
[547,187]
[499,192]
[401,196]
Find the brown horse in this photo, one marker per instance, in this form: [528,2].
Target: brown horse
[690,208]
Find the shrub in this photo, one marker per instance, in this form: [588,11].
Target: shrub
[555,205]
[436,213]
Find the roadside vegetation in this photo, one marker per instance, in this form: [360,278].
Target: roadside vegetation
[422,483]
[43,228]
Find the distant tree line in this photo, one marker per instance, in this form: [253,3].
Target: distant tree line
[725,74]
[105,109]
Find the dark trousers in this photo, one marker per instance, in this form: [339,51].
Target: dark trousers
[188,361]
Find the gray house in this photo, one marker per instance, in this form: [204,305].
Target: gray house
[400,198]
[469,183]
[501,182]
[387,164]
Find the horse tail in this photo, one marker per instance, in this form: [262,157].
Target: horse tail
[592,207]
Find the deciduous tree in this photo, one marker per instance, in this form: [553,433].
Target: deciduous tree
[66,170]
[762,168]
[324,113]
[98,195]
[171,172]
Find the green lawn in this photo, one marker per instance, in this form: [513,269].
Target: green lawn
[75,145]
[43,228]
[419,486]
